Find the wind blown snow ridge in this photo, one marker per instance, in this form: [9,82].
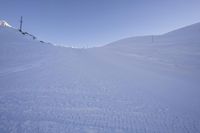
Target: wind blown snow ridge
[137,85]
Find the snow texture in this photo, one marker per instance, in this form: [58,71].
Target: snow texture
[147,84]
[3,23]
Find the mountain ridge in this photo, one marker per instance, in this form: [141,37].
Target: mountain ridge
[184,34]
[190,32]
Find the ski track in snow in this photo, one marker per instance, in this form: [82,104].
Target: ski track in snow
[18,69]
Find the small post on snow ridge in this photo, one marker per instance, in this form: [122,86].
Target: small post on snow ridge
[21,24]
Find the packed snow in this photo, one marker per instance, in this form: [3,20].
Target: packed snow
[148,84]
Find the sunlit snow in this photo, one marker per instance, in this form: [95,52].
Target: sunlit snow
[147,84]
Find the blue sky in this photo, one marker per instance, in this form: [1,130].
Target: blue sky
[98,22]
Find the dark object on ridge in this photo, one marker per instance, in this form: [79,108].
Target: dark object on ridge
[21,22]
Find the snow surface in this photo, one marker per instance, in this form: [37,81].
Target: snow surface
[3,23]
[147,84]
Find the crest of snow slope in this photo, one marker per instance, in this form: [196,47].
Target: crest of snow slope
[187,34]
[132,85]
[179,48]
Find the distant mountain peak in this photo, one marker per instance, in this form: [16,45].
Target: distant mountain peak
[3,23]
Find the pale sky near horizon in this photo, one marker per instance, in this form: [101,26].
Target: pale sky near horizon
[98,22]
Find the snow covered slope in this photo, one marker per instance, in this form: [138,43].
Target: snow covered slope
[187,34]
[179,48]
[137,85]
